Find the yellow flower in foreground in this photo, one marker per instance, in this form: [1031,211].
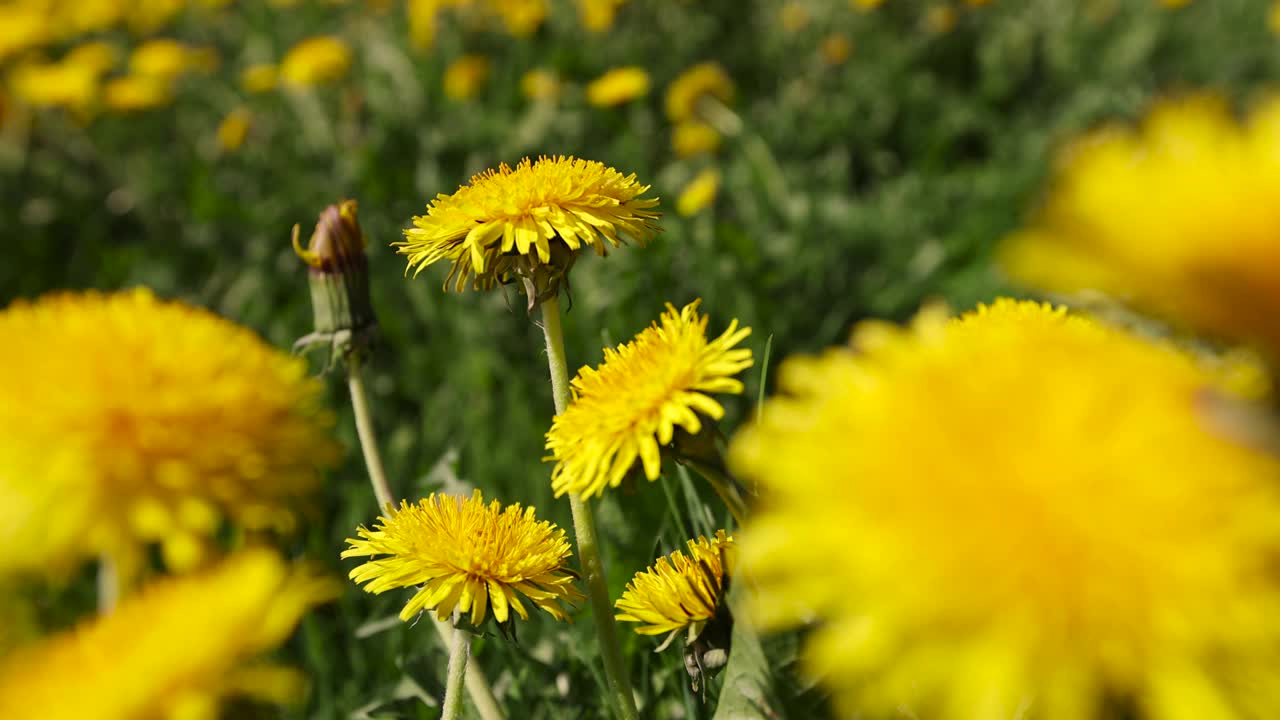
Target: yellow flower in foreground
[694,137]
[618,86]
[465,76]
[702,80]
[1017,512]
[127,420]
[504,215]
[175,650]
[699,193]
[1181,217]
[315,61]
[259,78]
[134,93]
[641,393]
[469,556]
[680,591]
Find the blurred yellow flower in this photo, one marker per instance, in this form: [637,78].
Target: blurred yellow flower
[1173,4]
[1018,511]
[700,81]
[1273,18]
[134,93]
[643,390]
[315,61]
[23,27]
[866,4]
[699,193]
[59,84]
[598,15]
[535,214]
[127,420]
[464,77]
[1181,217]
[617,86]
[835,49]
[680,591]
[521,17]
[259,78]
[694,137]
[166,59]
[145,16]
[234,128]
[793,16]
[175,650]
[940,18]
[540,84]
[97,56]
[467,555]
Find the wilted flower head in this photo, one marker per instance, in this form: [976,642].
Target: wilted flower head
[1181,216]
[619,85]
[645,389]
[700,81]
[341,305]
[1019,511]
[532,218]
[467,556]
[126,420]
[316,61]
[175,650]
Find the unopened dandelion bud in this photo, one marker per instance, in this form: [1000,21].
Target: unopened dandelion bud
[339,280]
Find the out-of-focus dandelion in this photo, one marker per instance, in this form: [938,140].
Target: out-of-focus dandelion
[598,15]
[1181,216]
[178,649]
[467,556]
[166,59]
[58,84]
[940,18]
[1096,545]
[23,27]
[259,78]
[704,80]
[521,17]
[793,16]
[316,61]
[628,408]
[835,49]
[532,219]
[694,137]
[700,193]
[127,420]
[464,77]
[866,4]
[1273,17]
[618,86]
[98,56]
[540,84]
[135,93]
[234,128]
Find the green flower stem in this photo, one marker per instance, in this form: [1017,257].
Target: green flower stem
[615,669]
[724,484]
[459,651]
[477,684]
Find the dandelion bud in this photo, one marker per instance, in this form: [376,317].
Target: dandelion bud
[339,280]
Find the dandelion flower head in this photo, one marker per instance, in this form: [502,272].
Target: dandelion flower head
[536,213]
[315,61]
[681,590]
[700,81]
[1015,509]
[175,650]
[631,405]
[1181,217]
[127,420]
[468,556]
[619,86]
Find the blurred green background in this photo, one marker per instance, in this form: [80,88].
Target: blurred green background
[875,155]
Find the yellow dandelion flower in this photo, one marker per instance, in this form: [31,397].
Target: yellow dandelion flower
[315,61]
[504,215]
[694,137]
[866,4]
[643,391]
[464,77]
[618,86]
[234,129]
[598,15]
[60,84]
[680,591]
[540,84]
[703,80]
[23,27]
[521,17]
[700,193]
[467,556]
[259,78]
[1273,18]
[97,56]
[175,650]
[835,49]
[1181,217]
[128,420]
[134,93]
[1017,512]
[940,18]
[166,59]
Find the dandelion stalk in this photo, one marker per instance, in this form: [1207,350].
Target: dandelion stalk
[459,652]
[584,528]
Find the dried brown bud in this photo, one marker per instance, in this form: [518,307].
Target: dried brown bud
[339,280]
[337,243]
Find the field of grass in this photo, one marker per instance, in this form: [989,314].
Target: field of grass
[870,159]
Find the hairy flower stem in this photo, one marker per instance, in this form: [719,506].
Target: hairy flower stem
[615,669]
[459,651]
[477,684]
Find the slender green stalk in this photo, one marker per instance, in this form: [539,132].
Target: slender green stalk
[724,485]
[584,528]
[477,684]
[459,651]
